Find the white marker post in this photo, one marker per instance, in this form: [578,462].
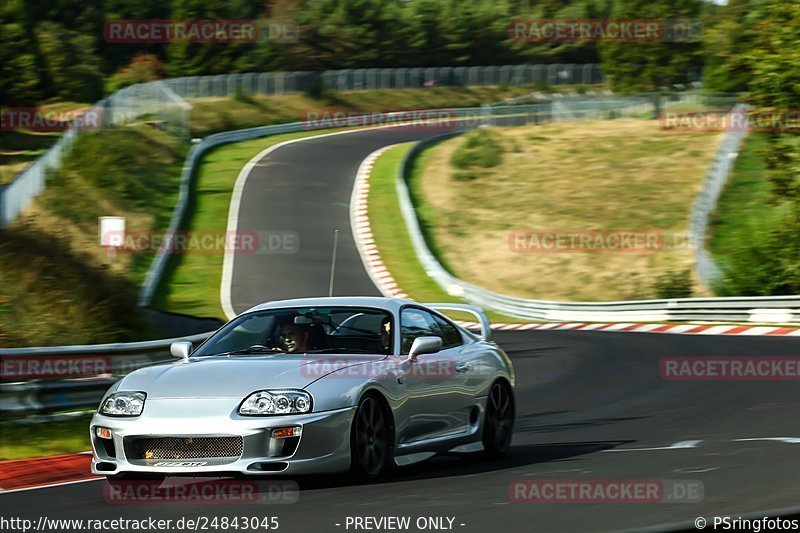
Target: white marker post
[111,233]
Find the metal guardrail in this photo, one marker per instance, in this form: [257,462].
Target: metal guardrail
[772,309]
[22,398]
[706,201]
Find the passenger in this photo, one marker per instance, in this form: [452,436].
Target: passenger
[386,335]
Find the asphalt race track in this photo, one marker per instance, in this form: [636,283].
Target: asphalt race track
[305,188]
[590,405]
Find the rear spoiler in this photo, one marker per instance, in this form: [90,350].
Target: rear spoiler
[483,320]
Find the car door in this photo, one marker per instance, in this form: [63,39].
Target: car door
[435,388]
[473,366]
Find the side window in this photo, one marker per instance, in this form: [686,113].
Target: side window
[450,335]
[416,323]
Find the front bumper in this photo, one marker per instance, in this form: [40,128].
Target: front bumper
[323,446]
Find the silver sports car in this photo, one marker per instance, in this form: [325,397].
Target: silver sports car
[311,386]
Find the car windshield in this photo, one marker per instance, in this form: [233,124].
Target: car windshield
[353,330]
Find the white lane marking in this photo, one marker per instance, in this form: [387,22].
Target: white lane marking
[785,440]
[50,485]
[684,444]
[695,470]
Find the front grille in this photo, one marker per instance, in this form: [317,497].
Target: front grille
[187,448]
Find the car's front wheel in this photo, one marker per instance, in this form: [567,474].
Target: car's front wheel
[369,439]
[498,426]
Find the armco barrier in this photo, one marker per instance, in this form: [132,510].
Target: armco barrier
[767,309]
[706,201]
[21,398]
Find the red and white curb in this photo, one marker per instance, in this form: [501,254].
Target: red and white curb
[362,232]
[698,329]
[40,472]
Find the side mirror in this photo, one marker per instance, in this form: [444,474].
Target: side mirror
[423,345]
[181,349]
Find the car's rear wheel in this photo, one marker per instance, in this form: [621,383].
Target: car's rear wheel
[498,426]
[369,439]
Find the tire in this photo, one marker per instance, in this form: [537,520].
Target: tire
[498,425]
[369,440]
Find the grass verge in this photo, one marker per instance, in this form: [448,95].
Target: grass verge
[744,207]
[558,179]
[21,441]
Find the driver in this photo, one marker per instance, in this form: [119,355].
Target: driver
[295,337]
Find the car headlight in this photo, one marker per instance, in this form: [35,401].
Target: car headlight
[276,402]
[123,404]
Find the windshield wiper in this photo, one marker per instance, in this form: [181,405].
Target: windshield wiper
[254,349]
[343,350]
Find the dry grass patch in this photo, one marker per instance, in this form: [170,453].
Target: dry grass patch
[570,176]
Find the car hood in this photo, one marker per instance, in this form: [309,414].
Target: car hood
[235,377]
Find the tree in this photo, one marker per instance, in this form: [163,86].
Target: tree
[648,66]
[769,263]
[71,64]
[727,36]
[20,81]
